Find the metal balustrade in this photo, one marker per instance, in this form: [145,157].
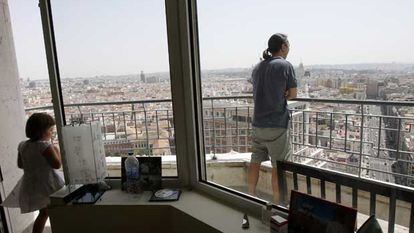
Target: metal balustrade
[374,188]
[371,135]
[223,121]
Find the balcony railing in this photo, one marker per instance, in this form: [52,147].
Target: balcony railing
[359,141]
[374,188]
[365,140]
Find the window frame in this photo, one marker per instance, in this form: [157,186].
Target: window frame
[5,218]
[56,88]
[184,62]
[186,13]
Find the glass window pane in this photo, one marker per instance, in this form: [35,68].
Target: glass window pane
[114,56]
[31,58]
[337,51]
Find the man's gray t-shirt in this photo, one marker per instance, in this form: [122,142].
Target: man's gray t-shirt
[271,79]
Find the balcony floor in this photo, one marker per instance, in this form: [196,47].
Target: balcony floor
[29,228]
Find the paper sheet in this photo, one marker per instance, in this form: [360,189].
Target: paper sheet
[84,152]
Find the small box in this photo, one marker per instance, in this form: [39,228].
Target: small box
[278,224]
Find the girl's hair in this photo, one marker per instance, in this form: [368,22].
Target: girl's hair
[37,125]
[274,45]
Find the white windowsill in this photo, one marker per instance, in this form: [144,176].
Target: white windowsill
[217,215]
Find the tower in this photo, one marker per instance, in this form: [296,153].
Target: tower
[300,71]
[142,76]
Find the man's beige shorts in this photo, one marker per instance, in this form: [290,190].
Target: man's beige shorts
[273,143]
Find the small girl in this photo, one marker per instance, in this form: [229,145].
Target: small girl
[38,158]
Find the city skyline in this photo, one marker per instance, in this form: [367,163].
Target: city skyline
[320,33]
[361,67]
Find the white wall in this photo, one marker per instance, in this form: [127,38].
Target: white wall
[12,117]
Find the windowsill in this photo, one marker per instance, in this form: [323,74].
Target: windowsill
[119,198]
[217,215]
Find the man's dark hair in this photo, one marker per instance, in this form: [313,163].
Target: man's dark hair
[274,44]
[37,125]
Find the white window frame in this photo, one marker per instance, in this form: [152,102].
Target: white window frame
[182,33]
[186,77]
[55,85]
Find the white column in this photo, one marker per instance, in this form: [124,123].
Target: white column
[12,118]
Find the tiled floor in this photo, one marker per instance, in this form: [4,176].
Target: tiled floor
[46,230]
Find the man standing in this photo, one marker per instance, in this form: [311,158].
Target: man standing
[274,83]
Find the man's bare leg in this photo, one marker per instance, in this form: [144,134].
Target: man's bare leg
[253,177]
[275,186]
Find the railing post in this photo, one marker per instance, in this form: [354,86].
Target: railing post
[308,185]
[281,183]
[292,132]
[330,130]
[391,216]
[146,128]
[355,198]
[295,181]
[214,128]
[168,123]
[113,120]
[225,128]
[346,132]
[158,127]
[361,146]
[104,126]
[316,129]
[132,110]
[248,123]
[398,140]
[323,190]
[379,136]
[237,131]
[136,128]
[303,127]
[125,127]
[338,193]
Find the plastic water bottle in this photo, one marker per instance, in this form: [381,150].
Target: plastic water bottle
[132,174]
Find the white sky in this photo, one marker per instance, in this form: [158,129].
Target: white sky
[96,37]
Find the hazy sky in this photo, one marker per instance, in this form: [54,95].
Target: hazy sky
[96,37]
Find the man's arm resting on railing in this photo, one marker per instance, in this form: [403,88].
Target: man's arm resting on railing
[291,93]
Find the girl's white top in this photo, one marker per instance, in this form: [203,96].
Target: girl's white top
[39,179]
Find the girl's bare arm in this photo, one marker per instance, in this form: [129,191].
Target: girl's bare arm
[52,155]
[19,161]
